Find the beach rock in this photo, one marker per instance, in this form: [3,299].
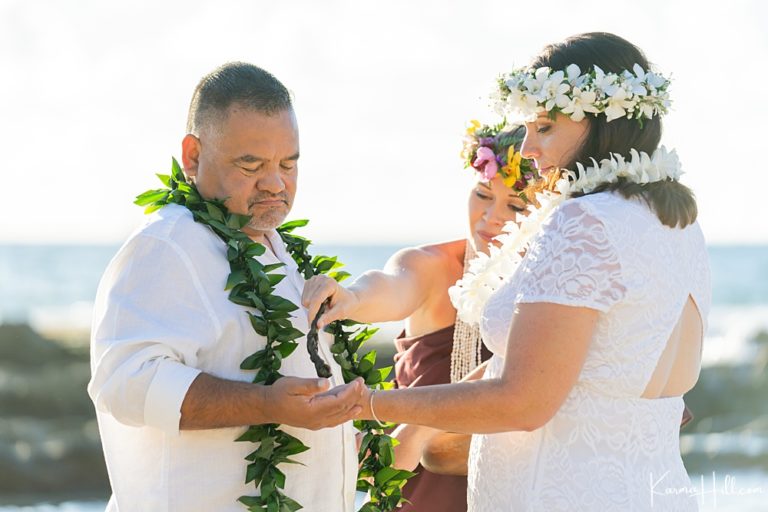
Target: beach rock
[20,345]
[49,441]
[57,458]
[39,378]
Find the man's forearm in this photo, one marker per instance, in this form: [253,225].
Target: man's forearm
[211,402]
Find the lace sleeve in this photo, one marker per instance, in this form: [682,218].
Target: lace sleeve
[572,262]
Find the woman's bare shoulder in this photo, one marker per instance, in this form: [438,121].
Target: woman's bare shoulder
[429,258]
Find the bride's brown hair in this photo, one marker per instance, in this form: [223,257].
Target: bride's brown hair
[673,202]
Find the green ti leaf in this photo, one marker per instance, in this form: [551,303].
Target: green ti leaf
[151,196]
[290,226]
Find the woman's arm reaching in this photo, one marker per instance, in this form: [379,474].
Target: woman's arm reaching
[549,343]
[378,295]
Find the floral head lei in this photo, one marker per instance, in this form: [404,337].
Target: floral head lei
[490,150]
[636,94]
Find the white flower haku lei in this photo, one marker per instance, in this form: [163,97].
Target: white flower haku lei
[636,94]
[487,273]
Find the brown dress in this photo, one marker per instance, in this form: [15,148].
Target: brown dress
[423,361]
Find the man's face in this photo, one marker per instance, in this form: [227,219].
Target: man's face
[249,159]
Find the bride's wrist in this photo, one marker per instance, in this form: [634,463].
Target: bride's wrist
[370,411]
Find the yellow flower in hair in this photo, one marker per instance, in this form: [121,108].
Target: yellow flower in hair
[473,126]
[511,171]
[470,142]
[509,181]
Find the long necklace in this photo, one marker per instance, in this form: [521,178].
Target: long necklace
[467,350]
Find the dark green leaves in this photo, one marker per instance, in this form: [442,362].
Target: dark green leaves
[324,264]
[276,303]
[177,175]
[215,212]
[290,226]
[152,199]
[376,454]
[235,221]
[165,179]
[235,278]
[376,457]
[339,276]
[254,249]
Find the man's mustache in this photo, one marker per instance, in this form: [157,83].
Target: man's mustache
[268,197]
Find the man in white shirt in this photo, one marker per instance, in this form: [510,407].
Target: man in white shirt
[167,343]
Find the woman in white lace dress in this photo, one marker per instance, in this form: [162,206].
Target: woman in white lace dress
[598,333]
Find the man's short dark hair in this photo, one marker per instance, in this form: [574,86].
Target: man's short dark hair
[236,83]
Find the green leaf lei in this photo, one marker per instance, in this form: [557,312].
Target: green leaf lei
[252,284]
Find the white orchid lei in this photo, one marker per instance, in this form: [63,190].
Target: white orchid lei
[487,273]
[636,94]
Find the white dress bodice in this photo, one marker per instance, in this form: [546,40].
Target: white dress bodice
[606,448]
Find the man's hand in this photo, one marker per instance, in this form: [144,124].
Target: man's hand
[308,403]
[212,402]
[342,301]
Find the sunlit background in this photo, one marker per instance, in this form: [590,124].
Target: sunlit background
[93,99]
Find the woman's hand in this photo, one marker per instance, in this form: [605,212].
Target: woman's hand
[320,288]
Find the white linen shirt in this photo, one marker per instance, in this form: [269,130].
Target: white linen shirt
[161,317]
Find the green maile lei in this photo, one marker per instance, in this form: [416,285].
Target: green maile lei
[252,285]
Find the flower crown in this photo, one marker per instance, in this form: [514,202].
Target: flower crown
[636,94]
[490,149]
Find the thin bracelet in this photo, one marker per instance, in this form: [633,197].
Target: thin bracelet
[370,403]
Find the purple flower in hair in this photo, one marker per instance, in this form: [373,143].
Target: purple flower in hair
[487,141]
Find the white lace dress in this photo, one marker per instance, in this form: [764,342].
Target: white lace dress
[606,449]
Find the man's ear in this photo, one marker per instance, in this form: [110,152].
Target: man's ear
[190,154]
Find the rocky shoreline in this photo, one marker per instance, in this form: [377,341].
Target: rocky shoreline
[49,441]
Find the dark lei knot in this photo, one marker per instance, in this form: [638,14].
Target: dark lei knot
[252,285]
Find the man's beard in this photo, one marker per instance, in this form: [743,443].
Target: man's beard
[270,217]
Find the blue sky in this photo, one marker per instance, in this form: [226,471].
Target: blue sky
[93,100]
